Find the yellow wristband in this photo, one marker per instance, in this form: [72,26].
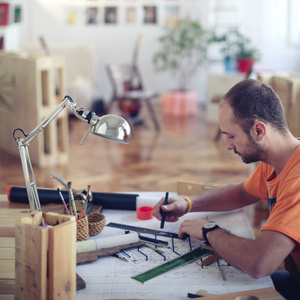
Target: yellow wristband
[189,204]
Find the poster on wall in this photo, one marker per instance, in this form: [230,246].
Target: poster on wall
[150,14]
[72,15]
[172,15]
[4,11]
[110,14]
[130,16]
[92,15]
[18,13]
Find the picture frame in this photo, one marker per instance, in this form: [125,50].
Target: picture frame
[4,14]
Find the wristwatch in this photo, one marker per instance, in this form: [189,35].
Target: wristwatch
[208,227]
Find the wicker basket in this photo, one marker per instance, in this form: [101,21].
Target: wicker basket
[96,223]
[83,229]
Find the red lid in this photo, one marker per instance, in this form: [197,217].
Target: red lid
[144,212]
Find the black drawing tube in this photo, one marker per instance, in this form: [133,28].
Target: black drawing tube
[47,196]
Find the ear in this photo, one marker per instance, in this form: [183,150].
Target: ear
[259,130]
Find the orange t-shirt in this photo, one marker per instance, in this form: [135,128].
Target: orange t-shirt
[283,196]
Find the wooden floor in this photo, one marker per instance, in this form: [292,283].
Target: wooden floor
[183,150]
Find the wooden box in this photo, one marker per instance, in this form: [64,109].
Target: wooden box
[287,86]
[45,258]
[194,188]
[36,85]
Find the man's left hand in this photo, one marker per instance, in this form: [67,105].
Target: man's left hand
[192,228]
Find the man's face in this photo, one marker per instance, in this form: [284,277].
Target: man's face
[236,139]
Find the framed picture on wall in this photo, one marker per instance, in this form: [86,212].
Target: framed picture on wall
[18,13]
[92,15]
[71,14]
[150,14]
[4,13]
[130,15]
[110,14]
[172,15]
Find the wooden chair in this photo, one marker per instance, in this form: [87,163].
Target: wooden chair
[129,94]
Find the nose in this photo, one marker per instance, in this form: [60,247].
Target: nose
[229,144]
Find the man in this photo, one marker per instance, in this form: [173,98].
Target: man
[251,117]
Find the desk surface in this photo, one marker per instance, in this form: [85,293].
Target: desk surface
[10,212]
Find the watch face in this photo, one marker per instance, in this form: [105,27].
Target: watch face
[209,225]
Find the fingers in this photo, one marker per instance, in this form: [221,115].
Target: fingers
[192,228]
[157,209]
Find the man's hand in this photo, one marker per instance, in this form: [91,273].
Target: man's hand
[176,208]
[192,228]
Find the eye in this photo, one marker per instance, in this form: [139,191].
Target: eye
[230,137]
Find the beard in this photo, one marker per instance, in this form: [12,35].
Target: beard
[254,153]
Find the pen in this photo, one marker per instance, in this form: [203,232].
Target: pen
[63,201]
[72,201]
[162,223]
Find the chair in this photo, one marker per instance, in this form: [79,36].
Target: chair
[129,94]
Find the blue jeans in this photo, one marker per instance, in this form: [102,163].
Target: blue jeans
[286,285]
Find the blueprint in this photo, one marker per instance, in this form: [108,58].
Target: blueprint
[110,277]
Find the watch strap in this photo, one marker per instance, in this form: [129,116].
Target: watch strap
[206,230]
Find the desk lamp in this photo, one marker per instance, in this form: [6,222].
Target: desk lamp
[109,126]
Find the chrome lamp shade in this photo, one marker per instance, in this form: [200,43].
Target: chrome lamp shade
[112,127]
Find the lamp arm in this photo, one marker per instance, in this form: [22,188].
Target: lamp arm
[23,143]
[66,102]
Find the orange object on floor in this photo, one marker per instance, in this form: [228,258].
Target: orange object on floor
[180,103]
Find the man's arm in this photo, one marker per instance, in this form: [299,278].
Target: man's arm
[225,198]
[258,258]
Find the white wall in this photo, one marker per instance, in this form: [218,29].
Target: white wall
[114,43]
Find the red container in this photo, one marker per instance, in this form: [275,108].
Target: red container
[144,212]
[245,65]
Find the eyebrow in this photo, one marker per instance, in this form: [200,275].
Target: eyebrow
[226,133]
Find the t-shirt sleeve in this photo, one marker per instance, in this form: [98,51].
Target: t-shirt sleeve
[285,214]
[256,183]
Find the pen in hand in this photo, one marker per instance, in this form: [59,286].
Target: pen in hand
[162,223]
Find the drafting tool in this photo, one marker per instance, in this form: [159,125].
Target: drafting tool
[145,230]
[162,223]
[154,241]
[172,264]
[87,257]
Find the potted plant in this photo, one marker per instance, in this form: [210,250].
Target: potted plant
[182,50]
[237,50]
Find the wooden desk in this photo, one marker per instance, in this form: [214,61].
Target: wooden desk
[8,214]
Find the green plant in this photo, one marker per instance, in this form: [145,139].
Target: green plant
[236,44]
[182,50]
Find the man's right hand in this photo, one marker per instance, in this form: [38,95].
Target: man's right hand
[175,208]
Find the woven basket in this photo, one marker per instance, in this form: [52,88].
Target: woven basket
[96,223]
[82,229]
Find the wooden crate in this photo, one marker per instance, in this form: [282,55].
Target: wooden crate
[194,188]
[42,274]
[37,87]
[287,86]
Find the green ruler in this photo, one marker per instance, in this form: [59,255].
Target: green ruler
[172,264]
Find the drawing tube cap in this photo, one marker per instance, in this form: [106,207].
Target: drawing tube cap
[144,212]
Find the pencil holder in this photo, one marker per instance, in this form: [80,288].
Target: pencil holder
[45,257]
[83,229]
[96,223]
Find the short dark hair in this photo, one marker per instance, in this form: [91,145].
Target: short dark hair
[253,100]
